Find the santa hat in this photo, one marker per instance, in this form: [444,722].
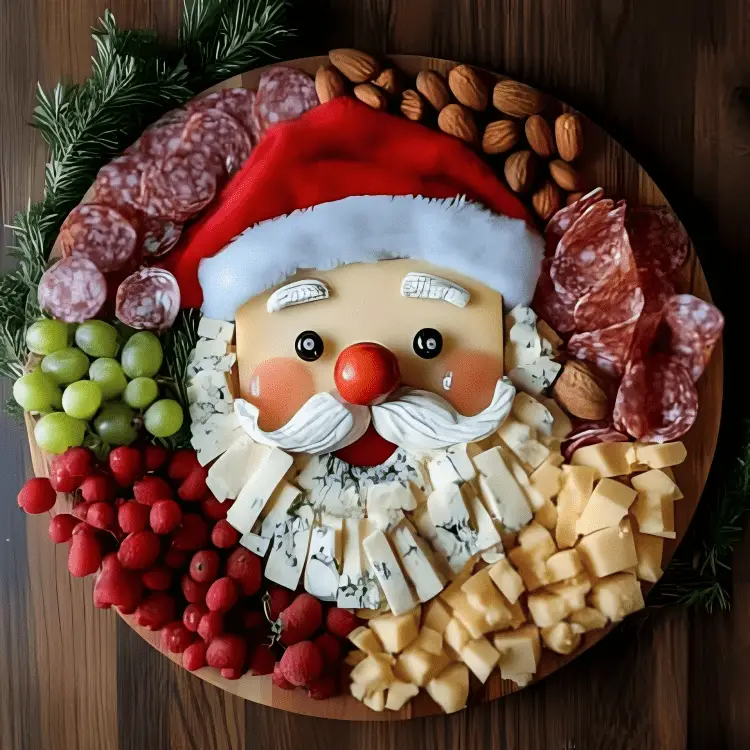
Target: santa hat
[376,186]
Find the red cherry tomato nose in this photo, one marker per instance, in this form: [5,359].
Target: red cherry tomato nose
[365,373]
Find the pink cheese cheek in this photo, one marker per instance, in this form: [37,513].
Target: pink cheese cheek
[475,375]
[279,387]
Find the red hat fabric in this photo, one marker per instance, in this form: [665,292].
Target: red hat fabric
[339,149]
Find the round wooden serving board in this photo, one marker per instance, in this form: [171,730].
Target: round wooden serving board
[607,164]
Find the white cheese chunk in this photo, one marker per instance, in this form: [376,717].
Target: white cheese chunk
[528,410]
[488,537]
[216,329]
[255,543]
[277,509]
[231,471]
[388,572]
[501,491]
[521,439]
[535,378]
[392,495]
[289,549]
[358,587]
[321,570]
[452,465]
[427,581]
[214,437]
[210,355]
[455,539]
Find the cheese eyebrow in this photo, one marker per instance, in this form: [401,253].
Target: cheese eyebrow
[297,293]
[427,286]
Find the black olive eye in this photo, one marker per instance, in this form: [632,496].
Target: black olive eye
[309,346]
[428,343]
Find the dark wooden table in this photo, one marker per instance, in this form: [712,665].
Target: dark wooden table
[671,80]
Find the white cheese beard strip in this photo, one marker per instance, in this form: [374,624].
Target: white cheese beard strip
[420,421]
[322,425]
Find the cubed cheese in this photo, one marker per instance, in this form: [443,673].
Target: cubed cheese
[589,619]
[658,482]
[561,638]
[374,673]
[500,490]
[609,459]
[618,595]
[532,569]
[355,657]
[608,550]
[573,591]
[430,640]
[506,578]
[418,667]
[649,550]
[520,650]
[399,694]
[366,640]
[607,506]
[561,426]
[375,701]
[563,564]
[547,480]
[547,516]
[578,483]
[450,688]
[437,616]
[521,439]
[357,689]
[456,635]
[483,595]
[473,619]
[655,514]
[547,609]
[537,541]
[546,331]
[395,632]
[518,616]
[480,656]
[658,456]
[534,497]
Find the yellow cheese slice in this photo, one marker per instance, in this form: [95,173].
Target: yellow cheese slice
[609,459]
[608,504]
[609,550]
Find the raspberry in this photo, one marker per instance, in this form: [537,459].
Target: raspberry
[98,488]
[280,598]
[126,465]
[222,595]
[175,559]
[323,687]
[228,673]
[194,592]
[37,496]
[262,660]
[116,586]
[194,656]
[300,619]
[192,535]
[226,652]
[150,489]
[165,516]
[61,479]
[139,550]
[159,578]
[192,615]
[132,516]
[154,456]
[278,678]
[301,663]
[193,487]
[84,555]
[101,516]
[213,509]
[211,625]
[204,567]
[61,527]
[253,620]
[80,511]
[330,648]
[223,535]
[341,622]
[245,569]
[83,528]
[70,469]
[182,463]
[155,611]
[175,637]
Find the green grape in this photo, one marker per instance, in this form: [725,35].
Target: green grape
[82,399]
[114,424]
[66,365]
[163,418]
[97,338]
[57,432]
[141,392]
[142,356]
[36,392]
[47,336]
[110,377]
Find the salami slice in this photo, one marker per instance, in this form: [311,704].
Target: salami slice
[283,94]
[220,138]
[159,236]
[73,290]
[566,217]
[617,301]
[554,308]
[101,234]
[178,187]
[658,239]
[149,299]
[657,401]
[591,434]
[608,348]
[118,184]
[656,291]
[694,328]
[235,102]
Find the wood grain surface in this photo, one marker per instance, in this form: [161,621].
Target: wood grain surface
[666,78]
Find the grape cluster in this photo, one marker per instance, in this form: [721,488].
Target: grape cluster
[115,396]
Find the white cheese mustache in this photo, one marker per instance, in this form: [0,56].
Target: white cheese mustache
[413,419]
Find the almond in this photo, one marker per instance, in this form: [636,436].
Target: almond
[412,106]
[329,84]
[573,197]
[355,65]
[432,87]
[578,392]
[539,135]
[468,87]
[546,201]
[388,80]
[371,95]
[517,99]
[500,136]
[569,136]
[519,170]
[565,175]
[457,120]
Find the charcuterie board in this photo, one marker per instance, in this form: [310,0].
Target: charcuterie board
[606,164]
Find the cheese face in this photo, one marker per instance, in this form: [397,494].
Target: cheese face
[321,569]
[589,619]
[607,506]
[215,329]
[453,465]
[231,471]
[427,581]
[521,439]
[578,483]
[437,616]
[501,492]
[658,482]
[399,694]
[258,489]
[506,578]
[366,640]
[659,456]
[531,412]
[289,549]
[609,550]
[395,632]
[618,595]
[655,514]
[561,638]
[547,609]
[519,651]
[450,688]
[563,564]
[388,572]
[480,657]
[609,459]
[649,550]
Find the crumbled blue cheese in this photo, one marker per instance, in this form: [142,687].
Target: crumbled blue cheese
[425,577]
[388,572]
[535,378]
[455,539]
[222,330]
[210,355]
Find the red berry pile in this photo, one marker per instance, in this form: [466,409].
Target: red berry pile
[158,541]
